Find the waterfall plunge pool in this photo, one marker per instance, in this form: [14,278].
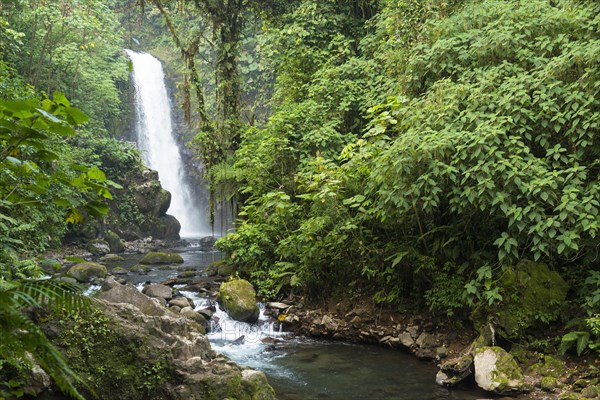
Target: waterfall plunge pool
[303,368]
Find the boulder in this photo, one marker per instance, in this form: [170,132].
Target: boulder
[156,257]
[189,312]
[158,291]
[455,370]
[114,292]
[150,197]
[497,371]
[137,356]
[98,247]
[206,313]
[238,299]
[181,302]
[86,271]
[165,227]
[540,292]
[114,242]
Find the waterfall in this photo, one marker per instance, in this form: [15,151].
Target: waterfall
[160,150]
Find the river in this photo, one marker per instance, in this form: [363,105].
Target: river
[304,368]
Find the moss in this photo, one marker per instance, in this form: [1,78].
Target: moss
[239,300]
[550,367]
[507,377]
[114,242]
[85,271]
[155,257]
[524,356]
[111,363]
[548,384]
[532,295]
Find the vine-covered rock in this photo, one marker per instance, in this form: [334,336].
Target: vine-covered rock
[238,298]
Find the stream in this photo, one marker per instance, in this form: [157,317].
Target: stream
[303,368]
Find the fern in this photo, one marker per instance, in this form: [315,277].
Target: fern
[20,337]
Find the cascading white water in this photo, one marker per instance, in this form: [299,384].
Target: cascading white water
[160,150]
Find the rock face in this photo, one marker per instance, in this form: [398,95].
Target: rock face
[496,371]
[238,298]
[156,257]
[85,272]
[124,353]
[540,292]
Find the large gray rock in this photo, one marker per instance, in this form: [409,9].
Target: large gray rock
[114,292]
[181,302]
[158,291]
[86,271]
[98,247]
[238,299]
[497,371]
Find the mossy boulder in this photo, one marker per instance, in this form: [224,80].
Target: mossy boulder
[497,371]
[238,299]
[156,257]
[124,353]
[86,271]
[114,242]
[532,295]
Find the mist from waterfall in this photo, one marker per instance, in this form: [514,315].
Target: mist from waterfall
[160,150]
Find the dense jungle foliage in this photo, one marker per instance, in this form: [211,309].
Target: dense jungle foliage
[417,150]
[413,151]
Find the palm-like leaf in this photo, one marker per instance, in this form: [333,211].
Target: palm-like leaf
[19,336]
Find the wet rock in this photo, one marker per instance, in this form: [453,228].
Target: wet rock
[86,271]
[239,341]
[207,313]
[496,371]
[158,291]
[238,299]
[155,257]
[455,370]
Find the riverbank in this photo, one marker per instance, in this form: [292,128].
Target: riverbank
[440,342]
[359,320]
